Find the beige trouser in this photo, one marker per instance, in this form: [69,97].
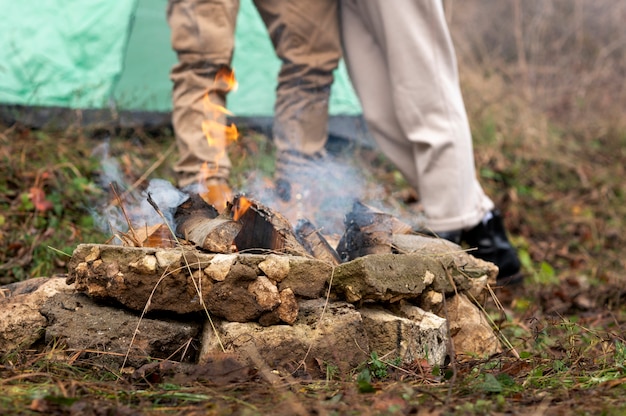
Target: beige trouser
[305,35]
[402,64]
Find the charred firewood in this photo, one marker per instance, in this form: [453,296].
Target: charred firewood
[367,232]
[397,226]
[264,229]
[315,243]
[200,223]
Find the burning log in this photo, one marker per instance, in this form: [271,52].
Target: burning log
[264,229]
[367,232]
[200,223]
[313,241]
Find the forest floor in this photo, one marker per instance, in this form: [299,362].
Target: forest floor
[564,204]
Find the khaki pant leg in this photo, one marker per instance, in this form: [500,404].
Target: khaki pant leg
[305,35]
[419,82]
[202,34]
[368,68]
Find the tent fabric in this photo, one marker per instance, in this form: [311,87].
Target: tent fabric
[64,53]
[99,54]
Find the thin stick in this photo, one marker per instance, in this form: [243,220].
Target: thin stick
[131,230]
[151,169]
[198,290]
[319,321]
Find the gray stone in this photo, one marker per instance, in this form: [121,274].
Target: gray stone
[21,322]
[477,272]
[336,338]
[385,277]
[418,335]
[423,263]
[106,334]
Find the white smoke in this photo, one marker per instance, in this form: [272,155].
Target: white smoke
[110,218]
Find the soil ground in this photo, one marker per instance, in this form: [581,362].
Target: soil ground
[567,353]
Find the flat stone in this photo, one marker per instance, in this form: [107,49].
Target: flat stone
[477,272]
[186,280]
[418,335]
[311,344]
[106,334]
[385,277]
[439,266]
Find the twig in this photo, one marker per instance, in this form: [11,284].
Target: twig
[452,352]
[503,338]
[319,321]
[26,375]
[56,250]
[151,169]
[198,290]
[131,230]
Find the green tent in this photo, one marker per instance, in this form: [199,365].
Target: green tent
[114,57]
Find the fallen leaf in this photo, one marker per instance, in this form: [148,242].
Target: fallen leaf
[38,197]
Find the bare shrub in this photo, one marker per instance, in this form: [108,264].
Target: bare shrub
[564,59]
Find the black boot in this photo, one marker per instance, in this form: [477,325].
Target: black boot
[489,242]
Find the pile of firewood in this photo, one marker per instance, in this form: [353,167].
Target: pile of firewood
[249,226]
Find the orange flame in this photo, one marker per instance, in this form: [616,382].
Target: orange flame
[225,76]
[217,134]
[243,204]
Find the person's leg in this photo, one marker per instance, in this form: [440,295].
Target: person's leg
[429,112]
[369,72]
[305,35]
[403,67]
[203,39]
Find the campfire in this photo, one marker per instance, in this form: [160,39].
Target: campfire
[272,288]
[190,284]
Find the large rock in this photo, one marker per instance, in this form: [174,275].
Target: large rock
[185,280]
[107,334]
[21,322]
[478,272]
[471,332]
[52,310]
[422,263]
[415,336]
[313,343]
[384,277]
